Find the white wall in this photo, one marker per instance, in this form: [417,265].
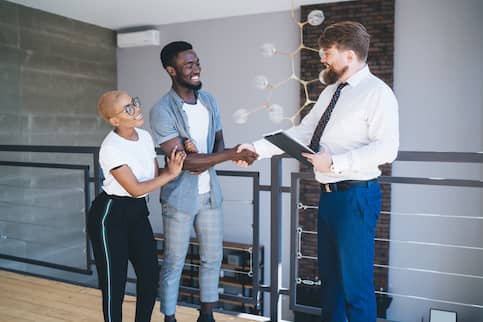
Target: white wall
[438,81]
[230,59]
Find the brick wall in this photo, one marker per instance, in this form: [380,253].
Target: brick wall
[378,17]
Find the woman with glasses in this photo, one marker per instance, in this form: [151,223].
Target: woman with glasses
[118,224]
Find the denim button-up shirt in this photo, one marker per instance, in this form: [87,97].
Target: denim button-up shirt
[168,120]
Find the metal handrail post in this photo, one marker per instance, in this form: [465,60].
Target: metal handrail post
[275,239]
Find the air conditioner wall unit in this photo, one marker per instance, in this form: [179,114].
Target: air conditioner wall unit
[138,38]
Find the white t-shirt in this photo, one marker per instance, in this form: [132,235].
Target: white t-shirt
[198,120]
[138,155]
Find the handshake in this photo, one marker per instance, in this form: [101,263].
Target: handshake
[244,155]
[247,149]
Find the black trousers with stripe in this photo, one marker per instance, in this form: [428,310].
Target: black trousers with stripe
[120,231]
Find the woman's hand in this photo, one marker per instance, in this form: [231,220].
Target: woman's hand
[175,162]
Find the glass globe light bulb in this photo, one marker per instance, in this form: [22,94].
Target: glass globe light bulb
[241,116]
[268,50]
[315,17]
[275,113]
[261,82]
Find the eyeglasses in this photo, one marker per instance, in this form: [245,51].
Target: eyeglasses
[130,108]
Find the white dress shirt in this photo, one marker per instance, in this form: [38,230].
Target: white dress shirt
[362,133]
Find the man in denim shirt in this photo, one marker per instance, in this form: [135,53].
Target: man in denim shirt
[194,197]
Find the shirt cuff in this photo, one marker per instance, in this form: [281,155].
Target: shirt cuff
[161,140]
[265,149]
[340,163]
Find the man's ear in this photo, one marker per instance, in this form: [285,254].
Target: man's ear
[171,71]
[349,54]
[352,56]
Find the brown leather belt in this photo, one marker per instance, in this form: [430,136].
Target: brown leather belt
[345,185]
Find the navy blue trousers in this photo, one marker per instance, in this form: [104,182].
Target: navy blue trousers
[346,231]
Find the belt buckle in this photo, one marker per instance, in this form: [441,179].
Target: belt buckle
[327,187]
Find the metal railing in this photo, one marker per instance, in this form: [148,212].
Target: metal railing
[87,180]
[96,178]
[254,269]
[85,171]
[276,189]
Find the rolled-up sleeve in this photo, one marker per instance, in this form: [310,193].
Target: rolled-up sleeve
[162,125]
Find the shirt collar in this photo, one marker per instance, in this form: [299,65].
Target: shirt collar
[355,79]
[177,98]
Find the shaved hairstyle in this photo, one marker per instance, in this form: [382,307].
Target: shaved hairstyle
[107,102]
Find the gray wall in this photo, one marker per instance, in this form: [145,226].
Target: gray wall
[438,50]
[52,71]
[438,81]
[230,58]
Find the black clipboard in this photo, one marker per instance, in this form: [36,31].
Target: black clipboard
[292,146]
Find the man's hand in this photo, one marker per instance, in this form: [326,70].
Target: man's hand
[321,161]
[175,162]
[240,148]
[189,146]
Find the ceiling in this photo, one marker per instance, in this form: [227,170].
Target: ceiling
[122,14]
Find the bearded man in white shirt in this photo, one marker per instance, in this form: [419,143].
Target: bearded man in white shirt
[353,127]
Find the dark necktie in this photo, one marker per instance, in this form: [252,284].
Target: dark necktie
[324,119]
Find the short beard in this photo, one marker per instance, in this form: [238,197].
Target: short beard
[187,85]
[331,76]
[194,87]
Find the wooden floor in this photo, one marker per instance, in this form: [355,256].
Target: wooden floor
[25,298]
